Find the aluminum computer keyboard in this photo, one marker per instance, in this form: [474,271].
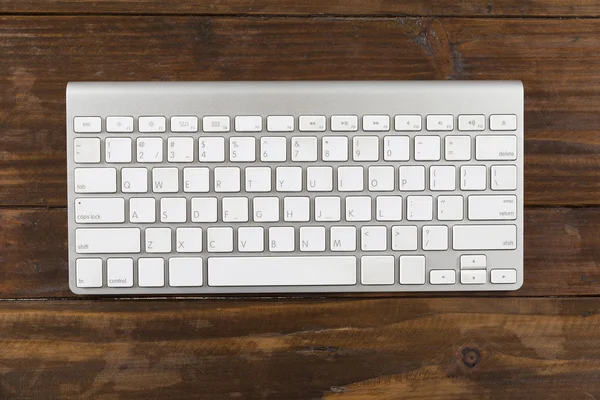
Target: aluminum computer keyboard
[291,187]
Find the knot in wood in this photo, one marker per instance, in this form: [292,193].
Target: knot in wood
[471,357]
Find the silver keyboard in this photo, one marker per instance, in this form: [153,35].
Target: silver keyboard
[292,187]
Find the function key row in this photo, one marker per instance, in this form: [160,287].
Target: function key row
[306,123]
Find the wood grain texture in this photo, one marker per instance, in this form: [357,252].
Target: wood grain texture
[558,62]
[460,348]
[562,254]
[469,8]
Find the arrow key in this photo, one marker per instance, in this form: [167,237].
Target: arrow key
[504,276]
[473,277]
[442,277]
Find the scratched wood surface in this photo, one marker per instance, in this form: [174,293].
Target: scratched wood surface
[541,342]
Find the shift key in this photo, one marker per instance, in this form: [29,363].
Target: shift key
[484,237]
[107,240]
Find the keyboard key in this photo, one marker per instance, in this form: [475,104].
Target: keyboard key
[458,148]
[412,178]
[89,272]
[87,124]
[473,277]
[296,209]
[107,240]
[381,178]
[496,147]
[319,179]
[181,123]
[204,209]
[258,179]
[389,208]
[407,123]
[165,180]
[220,240]
[119,272]
[251,239]
[442,177]
[365,148]
[152,124]
[185,271]
[119,124]
[304,148]
[440,122]
[196,180]
[373,238]
[404,238]
[118,150]
[95,180]
[419,208]
[350,179]
[134,180]
[248,123]
[142,210]
[503,122]
[484,237]
[158,240]
[450,208]
[189,240]
[211,149]
[471,122]
[473,177]
[151,272]
[312,123]
[396,148]
[215,124]
[280,123]
[473,261]
[503,276]
[312,238]
[173,209]
[376,123]
[273,149]
[281,238]
[289,179]
[342,238]
[235,209]
[483,208]
[435,237]
[242,149]
[344,123]
[358,208]
[504,177]
[181,149]
[86,150]
[266,209]
[412,270]
[442,277]
[427,148]
[327,208]
[227,179]
[276,271]
[335,148]
[377,270]
[149,150]
[99,211]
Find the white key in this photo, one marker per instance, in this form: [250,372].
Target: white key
[319,179]
[396,148]
[312,238]
[281,271]
[266,209]
[473,261]
[350,179]
[196,180]
[471,122]
[407,123]
[273,149]
[188,240]
[251,239]
[242,149]
[107,240]
[87,124]
[442,277]
[248,123]
[119,272]
[442,177]
[151,272]
[381,178]
[373,238]
[158,240]
[281,239]
[389,208]
[185,271]
[377,270]
[149,150]
[180,149]
[280,123]
[289,179]
[450,208]
[165,180]
[412,178]
[419,208]
[427,148]
[216,123]
[227,179]
[344,123]
[118,150]
[473,277]
[235,209]
[412,270]
[304,148]
[503,276]
[152,124]
[86,150]
[134,180]
[99,211]
[473,177]
[435,237]
[220,240]
[458,148]
[327,208]
[312,123]
[492,208]
[95,180]
[503,122]
[181,123]
[342,238]
[119,124]
[142,211]
[173,209]
[365,148]
[296,209]
[89,272]
[404,238]
[258,179]
[484,237]
[496,147]
[504,177]
[358,208]
[440,122]
[211,149]
[376,123]
[204,209]
[334,148]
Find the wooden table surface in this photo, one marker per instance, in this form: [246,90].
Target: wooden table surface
[541,342]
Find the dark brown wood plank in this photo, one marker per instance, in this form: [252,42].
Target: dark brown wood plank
[385,349]
[562,254]
[558,62]
[544,8]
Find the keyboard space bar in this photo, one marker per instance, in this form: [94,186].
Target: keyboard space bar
[281,271]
